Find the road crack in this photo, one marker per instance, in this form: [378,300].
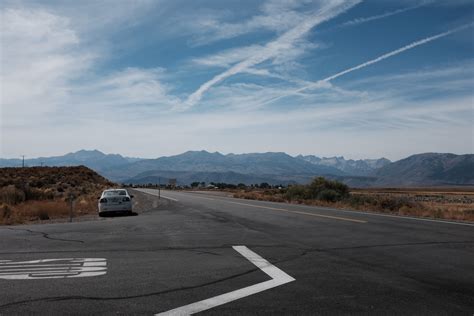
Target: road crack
[46,235]
[96,298]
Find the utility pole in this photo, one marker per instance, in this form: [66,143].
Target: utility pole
[159,188]
[23,163]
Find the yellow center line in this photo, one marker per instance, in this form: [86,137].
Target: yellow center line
[288,211]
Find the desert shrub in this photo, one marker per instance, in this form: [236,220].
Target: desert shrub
[37,183]
[357,200]
[329,195]
[43,215]
[394,203]
[296,192]
[33,193]
[5,211]
[319,189]
[251,196]
[276,199]
[333,190]
[11,195]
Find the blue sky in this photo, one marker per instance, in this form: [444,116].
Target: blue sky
[362,79]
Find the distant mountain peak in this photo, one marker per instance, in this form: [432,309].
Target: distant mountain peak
[84,154]
[360,167]
[199,152]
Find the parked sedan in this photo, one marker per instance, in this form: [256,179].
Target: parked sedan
[115,201]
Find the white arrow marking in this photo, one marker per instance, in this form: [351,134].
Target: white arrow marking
[278,278]
[52,268]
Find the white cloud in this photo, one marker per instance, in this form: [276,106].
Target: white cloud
[48,76]
[228,57]
[275,16]
[282,66]
[127,95]
[40,55]
[275,48]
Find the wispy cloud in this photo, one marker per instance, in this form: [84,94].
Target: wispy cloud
[357,21]
[48,71]
[273,15]
[374,61]
[432,82]
[272,49]
[40,54]
[228,57]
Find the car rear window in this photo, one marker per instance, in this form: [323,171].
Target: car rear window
[115,193]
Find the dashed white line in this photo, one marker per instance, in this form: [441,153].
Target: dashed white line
[278,278]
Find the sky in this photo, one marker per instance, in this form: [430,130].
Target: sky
[150,78]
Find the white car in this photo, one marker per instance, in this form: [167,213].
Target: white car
[115,201]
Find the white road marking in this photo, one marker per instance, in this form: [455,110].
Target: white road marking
[155,193]
[302,213]
[169,198]
[52,268]
[288,211]
[410,218]
[278,278]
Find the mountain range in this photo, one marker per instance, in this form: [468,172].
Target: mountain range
[363,167]
[427,169]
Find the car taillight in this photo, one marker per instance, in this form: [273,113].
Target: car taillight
[126,199]
[103,200]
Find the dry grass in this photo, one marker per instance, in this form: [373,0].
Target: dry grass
[433,203]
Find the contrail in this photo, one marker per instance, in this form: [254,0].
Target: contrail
[272,49]
[383,15]
[373,61]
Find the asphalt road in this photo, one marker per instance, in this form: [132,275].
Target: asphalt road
[179,250]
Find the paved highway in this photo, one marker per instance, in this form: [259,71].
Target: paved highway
[193,252]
